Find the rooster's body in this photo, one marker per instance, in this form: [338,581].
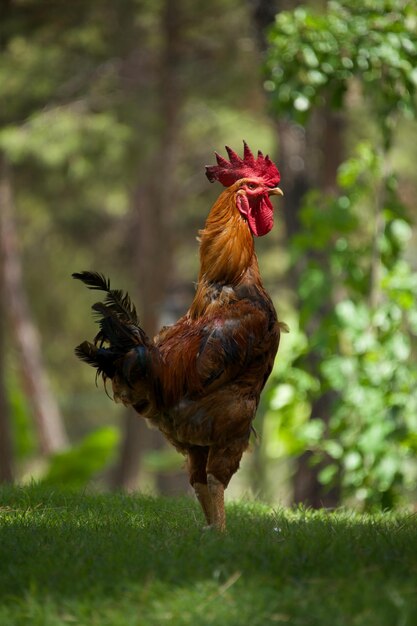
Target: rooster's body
[199,381]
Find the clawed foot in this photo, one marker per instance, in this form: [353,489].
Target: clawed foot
[212,528]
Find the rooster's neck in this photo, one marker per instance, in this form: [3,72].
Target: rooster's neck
[227,253]
[226,243]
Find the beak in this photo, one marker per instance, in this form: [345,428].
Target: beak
[275,191]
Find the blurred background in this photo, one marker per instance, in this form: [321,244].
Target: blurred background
[108,113]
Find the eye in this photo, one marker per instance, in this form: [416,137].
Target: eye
[252,185]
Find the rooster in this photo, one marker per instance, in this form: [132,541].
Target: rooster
[199,381]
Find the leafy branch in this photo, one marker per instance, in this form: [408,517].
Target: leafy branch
[367,341]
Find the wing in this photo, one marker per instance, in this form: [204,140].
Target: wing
[231,344]
[233,341]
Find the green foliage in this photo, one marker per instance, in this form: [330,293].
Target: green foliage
[356,285]
[23,435]
[81,125]
[313,56]
[70,137]
[287,429]
[74,468]
[141,561]
[84,120]
[366,344]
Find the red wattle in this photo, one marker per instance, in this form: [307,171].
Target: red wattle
[258,213]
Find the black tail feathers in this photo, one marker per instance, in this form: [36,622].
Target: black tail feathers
[119,327]
[93,280]
[103,359]
[117,301]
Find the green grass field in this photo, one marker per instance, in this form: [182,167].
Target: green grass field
[140,561]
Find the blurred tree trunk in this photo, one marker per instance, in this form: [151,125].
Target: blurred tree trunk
[326,139]
[6,450]
[153,202]
[320,147]
[135,441]
[49,425]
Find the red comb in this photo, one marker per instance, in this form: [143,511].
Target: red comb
[228,172]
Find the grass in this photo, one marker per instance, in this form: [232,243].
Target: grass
[117,560]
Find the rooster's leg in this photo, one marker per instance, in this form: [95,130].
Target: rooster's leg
[203,496]
[222,463]
[197,461]
[216,491]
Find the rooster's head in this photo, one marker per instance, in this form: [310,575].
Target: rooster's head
[254,181]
